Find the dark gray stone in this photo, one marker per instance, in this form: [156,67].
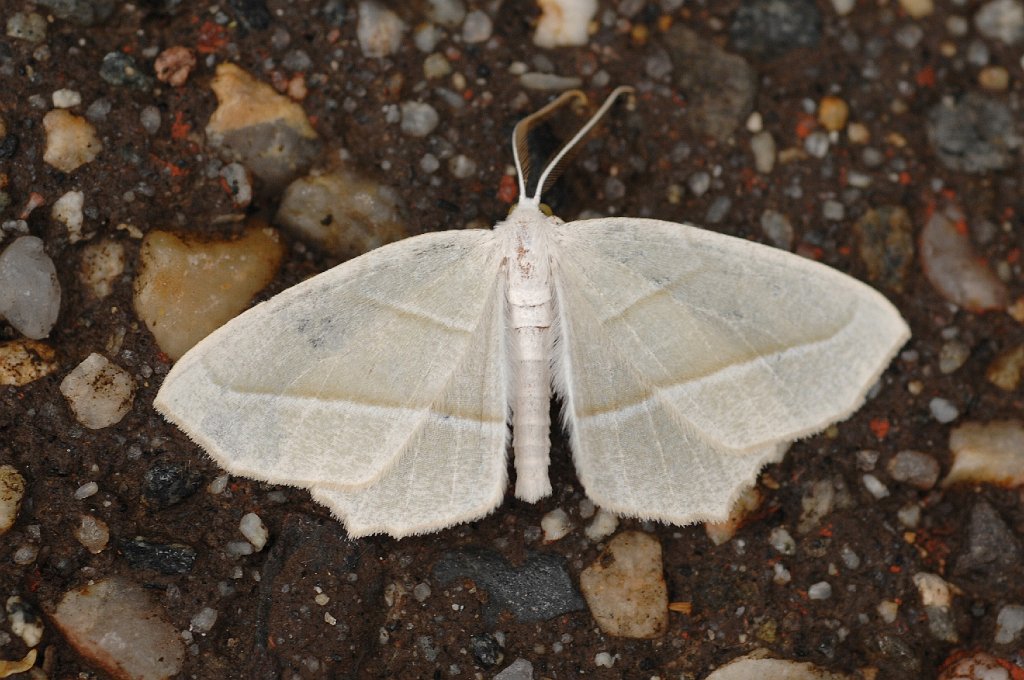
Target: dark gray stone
[975,134]
[167,558]
[770,28]
[537,591]
[166,484]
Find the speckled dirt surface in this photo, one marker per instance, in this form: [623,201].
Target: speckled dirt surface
[269,625]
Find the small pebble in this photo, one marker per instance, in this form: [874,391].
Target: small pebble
[185,290]
[254,530]
[603,525]
[548,82]
[564,23]
[239,548]
[12,490]
[25,361]
[780,575]
[30,27]
[555,525]
[698,183]
[149,117]
[99,619]
[1006,369]
[29,289]
[994,78]
[777,229]
[888,610]
[782,541]
[1009,624]
[448,13]
[24,620]
[174,65]
[86,490]
[820,591]
[1001,20]
[952,355]
[419,119]
[68,210]
[461,167]
[203,622]
[625,587]
[477,27]
[918,9]
[909,515]
[915,468]
[604,660]
[102,264]
[421,591]
[520,669]
[436,66]
[833,210]
[66,99]
[833,112]
[71,141]
[93,534]
[987,453]
[25,554]
[978,666]
[99,392]
[379,30]
[816,144]
[762,145]
[943,410]
[120,69]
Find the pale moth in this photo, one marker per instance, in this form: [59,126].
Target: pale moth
[685,361]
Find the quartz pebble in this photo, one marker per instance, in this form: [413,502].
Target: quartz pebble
[265,131]
[71,141]
[102,264]
[86,490]
[1001,20]
[115,625]
[952,355]
[915,468]
[448,13]
[782,541]
[342,212]
[24,620]
[477,28]
[29,289]
[821,590]
[602,526]
[918,9]
[203,621]
[563,23]
[66,99]
[12,490]
[186,289]
[952,266]
[418,119]
[68,210]
[777,228]
[379,30]
[987,453]
[748,502]
[1009,624]
[99,392]
[92,533]
[520,669]
[762,145]
[555,525]
[625,588]
[25,361]
[254,530]
[759,666]
[943,410]
[30,27]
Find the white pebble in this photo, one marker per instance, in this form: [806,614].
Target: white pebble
[448,13]
[909,515]
[23,622]
[99,392]
[781,575]
[421,592]
[239,183]
[68,210]
[25,554]
[93,534]
[429,163]
[462,166]
[782,541]
[822,590]
[239,548]
[86,490]
[564,23]
[555,524]
[816,144]
[254,530]
[425,37]
[29,290]
[874,486]
[762,145]
[418,119]
[203,622]
[548,82]
[943,410]
[65,98]
[379,30]
[604,660]
[150,119]
[1009,624]
[887,610]
[477,27]
[604,525]
[217,486]
[843,7]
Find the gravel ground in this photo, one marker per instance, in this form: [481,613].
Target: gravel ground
[881,138]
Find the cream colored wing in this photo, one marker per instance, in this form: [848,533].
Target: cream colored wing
[330,382]
[454,469]
[687,359]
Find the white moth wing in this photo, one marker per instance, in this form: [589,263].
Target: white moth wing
[330,381]
[455,469]
[686,359]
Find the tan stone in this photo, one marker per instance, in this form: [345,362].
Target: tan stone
[625,587]
[187,289]
[71,140]
[25,361]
